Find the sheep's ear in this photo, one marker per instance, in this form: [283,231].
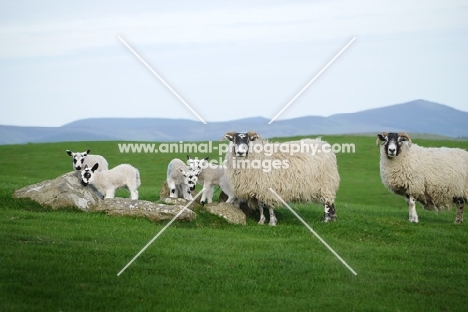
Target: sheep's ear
[381,137]
[96,165]
[69,153]
[229,136]
[85,167]
[183,172]
[253,136]
[206,158]
[86,153]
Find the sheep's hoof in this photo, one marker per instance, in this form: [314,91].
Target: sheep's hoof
[262,221]
[413,219]
[458,221]
[202,203]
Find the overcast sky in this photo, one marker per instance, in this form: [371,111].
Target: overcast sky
[62,61]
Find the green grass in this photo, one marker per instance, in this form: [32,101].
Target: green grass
[68,260]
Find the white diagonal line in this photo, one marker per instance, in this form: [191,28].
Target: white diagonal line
[313,232]
[313,79]
[160,232]
[162,80]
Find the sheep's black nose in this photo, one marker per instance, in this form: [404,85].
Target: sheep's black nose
[391,150]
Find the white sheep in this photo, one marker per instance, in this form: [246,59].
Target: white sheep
[253,166]
[107,181]
[180,179]
[82,159]
[434,177]
[210,175]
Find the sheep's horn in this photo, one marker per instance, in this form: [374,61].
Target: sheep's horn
[230,133]
[384,134]
[406,136]
[252,134]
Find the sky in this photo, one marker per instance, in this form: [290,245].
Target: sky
[62,61]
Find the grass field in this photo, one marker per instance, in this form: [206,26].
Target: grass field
[68,260]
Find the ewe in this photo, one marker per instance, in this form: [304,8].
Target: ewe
[435,177]
[253,166]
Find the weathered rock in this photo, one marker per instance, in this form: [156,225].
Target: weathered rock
[227,211]
[61,192]
[144,208]
[164,192]
[67,191]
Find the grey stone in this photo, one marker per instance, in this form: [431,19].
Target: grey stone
[144,208]
[61,192]
[227,211]
[67,191]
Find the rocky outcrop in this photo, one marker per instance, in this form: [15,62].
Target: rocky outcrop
[64,191]
[67,191]
[144,208]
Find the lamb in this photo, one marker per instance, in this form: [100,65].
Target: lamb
[180,179]
[253,167]
[107,181]
[210,175]
[82,159]
[434,177]
[196,164]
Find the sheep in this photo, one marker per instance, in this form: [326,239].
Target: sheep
[210,175]
[82,159]
[196,164]
[253,167]
[434,177]
[180,179]
[107,181]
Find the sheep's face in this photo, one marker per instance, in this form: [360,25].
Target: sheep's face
[196,164]
[190,178]
[241,142]
[392,142]
[78,159]
[87,175]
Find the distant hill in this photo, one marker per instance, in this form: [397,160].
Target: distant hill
[417,116]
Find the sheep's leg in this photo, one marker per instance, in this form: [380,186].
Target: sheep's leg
[172,190]
[210,194]
[413,215]
[262,216]
[272,216]
[186,192]
[460,203]
[206,193]
[329,213]
[110,193]
[134,194]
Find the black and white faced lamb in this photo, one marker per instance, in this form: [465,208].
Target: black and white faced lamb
[210,175]
[434,177]
[107,181]
[180,179]
[84,158]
